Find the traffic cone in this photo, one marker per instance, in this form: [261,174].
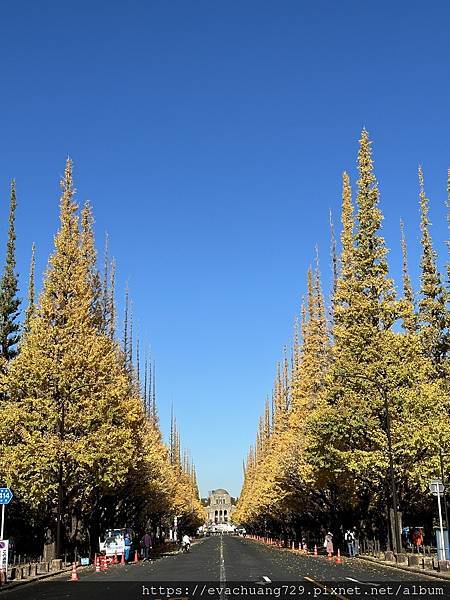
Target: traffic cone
[305,548]
[74,576]
[97,564]
[136,556]
[104,563]
[122,560]
[338,557]
[315,549]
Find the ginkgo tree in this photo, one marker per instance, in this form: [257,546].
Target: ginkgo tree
[77,445]
[369,404]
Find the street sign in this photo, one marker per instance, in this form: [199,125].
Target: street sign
[4,546]
[436,487]
[6,495]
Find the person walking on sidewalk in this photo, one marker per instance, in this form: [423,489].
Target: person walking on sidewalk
[127,542]
[328,544]
[356,537]
[350,539]
[146,546]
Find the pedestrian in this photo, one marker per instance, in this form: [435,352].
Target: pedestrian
[350,539]
[328,544]
[356,538]
[146,545]
[127,542]
[417,537]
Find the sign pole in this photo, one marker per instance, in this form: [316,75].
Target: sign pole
[440,522]
[3,522]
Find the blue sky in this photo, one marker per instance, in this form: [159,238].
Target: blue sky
[211,138]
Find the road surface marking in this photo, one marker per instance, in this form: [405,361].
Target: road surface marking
[222,577]
[324,587]
[363,582]
[264,580]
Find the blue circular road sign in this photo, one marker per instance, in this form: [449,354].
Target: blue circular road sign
[6,496]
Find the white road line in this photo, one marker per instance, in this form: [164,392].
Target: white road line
[222,576]
[324,588]
[363,582]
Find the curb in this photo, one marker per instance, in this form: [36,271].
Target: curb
[388,565]
[11,585]
[415,570]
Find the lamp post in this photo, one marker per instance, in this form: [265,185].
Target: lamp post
[441,460]
[444,496]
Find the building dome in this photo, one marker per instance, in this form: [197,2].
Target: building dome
[220,491]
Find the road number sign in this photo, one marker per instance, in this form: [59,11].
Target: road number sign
[6,495]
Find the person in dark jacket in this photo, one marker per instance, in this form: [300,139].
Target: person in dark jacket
[146,546]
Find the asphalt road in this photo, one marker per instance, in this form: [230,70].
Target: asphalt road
[225,562]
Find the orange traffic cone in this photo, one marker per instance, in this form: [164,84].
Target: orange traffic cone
[315,549]
[104,566]
[122,560]
[74,576]
[136,556]
[97,564]
[338,557]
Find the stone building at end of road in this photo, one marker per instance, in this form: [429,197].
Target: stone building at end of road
[219,506]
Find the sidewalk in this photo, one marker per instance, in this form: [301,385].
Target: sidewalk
[392,564]
[9,585]
[165,549]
